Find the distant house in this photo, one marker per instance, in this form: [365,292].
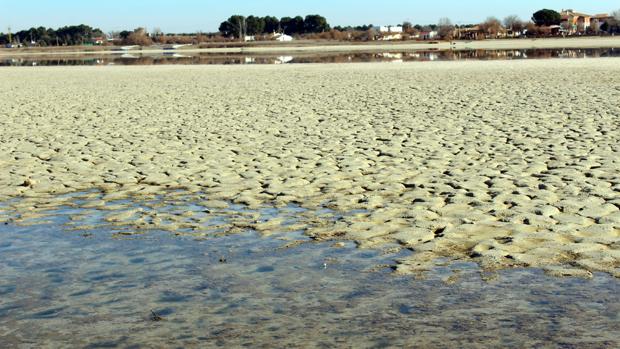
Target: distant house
[390,32]
[600,19]
[578,23]
[429,35]
[282,37]
[555,29]
[470,33]
[391,29]
[249,38]
[99,40]
[511,33]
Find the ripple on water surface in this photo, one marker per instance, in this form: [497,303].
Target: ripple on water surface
[73,287]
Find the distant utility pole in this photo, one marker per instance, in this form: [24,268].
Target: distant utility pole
[10,36]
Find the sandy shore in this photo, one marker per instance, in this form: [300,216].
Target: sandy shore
[511,163]
[300,47]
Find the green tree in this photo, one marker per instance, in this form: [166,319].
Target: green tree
[255,25]
[292,26]
[315,24]
[77,34]
[234,26]
[546,17]
[407,27]
[272,24]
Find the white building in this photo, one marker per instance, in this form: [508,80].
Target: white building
[393,29]
[282,37]
[429,35]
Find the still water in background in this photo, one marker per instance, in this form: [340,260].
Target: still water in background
[180,57]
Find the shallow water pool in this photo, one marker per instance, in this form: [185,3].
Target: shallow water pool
[97,289]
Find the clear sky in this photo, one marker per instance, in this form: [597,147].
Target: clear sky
[205,15]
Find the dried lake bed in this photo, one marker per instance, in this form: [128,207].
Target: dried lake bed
[509,169]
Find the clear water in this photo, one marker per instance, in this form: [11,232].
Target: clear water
[96,288]
[180,57]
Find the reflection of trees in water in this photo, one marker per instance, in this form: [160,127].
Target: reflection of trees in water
[390,56]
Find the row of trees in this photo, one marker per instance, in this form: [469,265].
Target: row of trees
[538,26]
[240,26]
[312,26]
[68,35]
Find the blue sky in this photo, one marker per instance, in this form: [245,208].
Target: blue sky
[205,15]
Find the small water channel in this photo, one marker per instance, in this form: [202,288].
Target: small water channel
[189,58]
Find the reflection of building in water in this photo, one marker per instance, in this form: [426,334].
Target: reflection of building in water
[283,59]
[432,56]
[394,56]
[575,54]
[391,57]
[423,56]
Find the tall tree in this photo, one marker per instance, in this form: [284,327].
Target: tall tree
[513,22]
[445,28]
[546,17]
[255,25]
[407,27]
[292,26]
[491,26]
[234,26]
[272,24]
[315,24]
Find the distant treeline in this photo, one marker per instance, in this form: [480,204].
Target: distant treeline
[41,36]
[544,23]
[239,26]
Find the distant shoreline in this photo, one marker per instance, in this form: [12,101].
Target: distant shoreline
[314,46]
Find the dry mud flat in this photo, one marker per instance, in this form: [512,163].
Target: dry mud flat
[506,163]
